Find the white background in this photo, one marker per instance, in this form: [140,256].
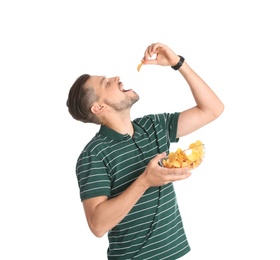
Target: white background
[230,205]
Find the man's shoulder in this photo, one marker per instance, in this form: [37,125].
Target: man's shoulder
[153,118]
[95,144]
[149,117]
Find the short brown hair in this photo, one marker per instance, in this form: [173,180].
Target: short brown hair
[80,99]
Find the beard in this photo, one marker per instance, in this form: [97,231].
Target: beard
[124,104]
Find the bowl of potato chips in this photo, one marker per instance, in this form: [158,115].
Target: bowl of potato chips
[190,158]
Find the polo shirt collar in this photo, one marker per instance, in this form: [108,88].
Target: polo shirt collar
[106,131]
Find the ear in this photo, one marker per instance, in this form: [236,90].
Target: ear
[97,108]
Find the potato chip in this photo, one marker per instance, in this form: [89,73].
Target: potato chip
[139,66]
[190,158]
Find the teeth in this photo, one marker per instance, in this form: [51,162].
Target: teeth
[121,87]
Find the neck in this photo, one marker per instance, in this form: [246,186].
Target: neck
[121,124]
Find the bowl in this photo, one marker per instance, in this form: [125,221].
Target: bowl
[191,157]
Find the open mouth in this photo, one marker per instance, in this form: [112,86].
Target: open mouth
[121,87]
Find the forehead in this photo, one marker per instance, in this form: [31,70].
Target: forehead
[95,81]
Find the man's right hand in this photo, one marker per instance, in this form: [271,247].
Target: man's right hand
[155,175]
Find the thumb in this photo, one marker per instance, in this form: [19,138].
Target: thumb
[161,155]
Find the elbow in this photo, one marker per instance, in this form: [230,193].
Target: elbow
[98,234]
[219,109]
[97,231]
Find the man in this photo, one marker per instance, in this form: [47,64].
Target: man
[125,193]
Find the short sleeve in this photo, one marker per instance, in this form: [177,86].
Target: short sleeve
[92,176]
[169,123]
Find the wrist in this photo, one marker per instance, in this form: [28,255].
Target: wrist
[179,64]
[142,182]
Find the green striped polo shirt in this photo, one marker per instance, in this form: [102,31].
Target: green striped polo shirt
[109,163]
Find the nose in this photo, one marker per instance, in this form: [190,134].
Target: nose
[116,79]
